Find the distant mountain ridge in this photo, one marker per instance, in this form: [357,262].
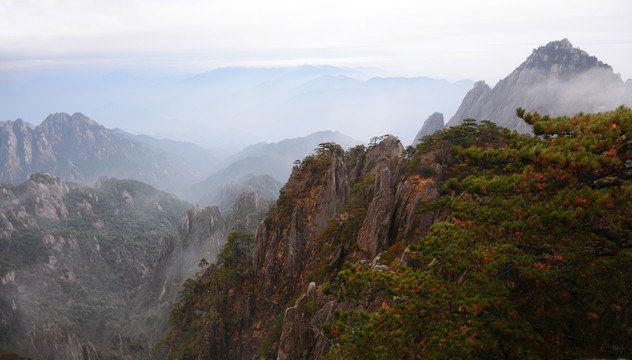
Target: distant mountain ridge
[76,148]
[230,108]
[556,79]
[194,156]
[272,159]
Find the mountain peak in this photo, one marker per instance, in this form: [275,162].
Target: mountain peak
[556,79]
[562,44]
[64,118]
[560,59]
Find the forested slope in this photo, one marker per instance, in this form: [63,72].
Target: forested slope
[479,242]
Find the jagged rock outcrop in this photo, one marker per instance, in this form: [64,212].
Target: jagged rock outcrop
[336,206]
[382,162]
[304,235]
[201,234]
[556,79]
[197,226]
[392,215]
[281,251]
[480,93]
[76,148]
[432,124]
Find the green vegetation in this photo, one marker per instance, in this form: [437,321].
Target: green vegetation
[535,262]
[310,307]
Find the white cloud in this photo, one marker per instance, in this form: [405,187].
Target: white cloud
[468,37]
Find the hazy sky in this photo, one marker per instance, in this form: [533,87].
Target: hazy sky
[484,39]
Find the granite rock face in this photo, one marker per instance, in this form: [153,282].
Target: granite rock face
[248,211]
[337,205]
[556,79]
[283,252]
[290,248]
[392,199]
[201,234]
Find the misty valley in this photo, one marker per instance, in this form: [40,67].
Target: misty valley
[498,228]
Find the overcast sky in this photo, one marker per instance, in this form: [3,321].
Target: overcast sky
[484,39]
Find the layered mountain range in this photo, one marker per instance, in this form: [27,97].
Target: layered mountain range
[77,149]
[231,108]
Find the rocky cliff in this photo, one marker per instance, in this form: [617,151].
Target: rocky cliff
[479,242]
[76,148]
[201,234]
[556,79]
[91,273]
[58,340]
[74,261]
[336,206]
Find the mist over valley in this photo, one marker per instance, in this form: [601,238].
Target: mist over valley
[228,109]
